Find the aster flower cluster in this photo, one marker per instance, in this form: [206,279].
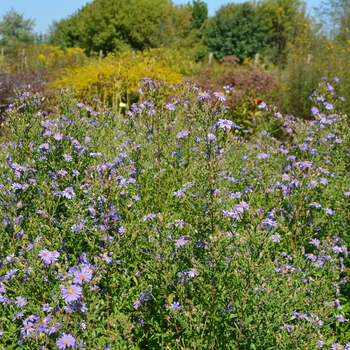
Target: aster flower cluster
[118,228]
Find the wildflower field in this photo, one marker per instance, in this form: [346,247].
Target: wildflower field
[171,227]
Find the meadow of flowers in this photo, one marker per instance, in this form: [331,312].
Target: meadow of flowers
[171,227]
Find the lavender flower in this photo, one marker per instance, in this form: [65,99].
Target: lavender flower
[203,95]
[71,293]
[276,238]
[225,124]
[314,110]
[220,96]
[175,305]
[182,134]
[180,242]
[68,193]
[48,257]
[328,106]
[84,275]
[20,302]
[66,341]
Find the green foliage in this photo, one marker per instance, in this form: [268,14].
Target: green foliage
[199,13]
[64,33]
[285,20]
[236,29]
[14,30]
[188,235]
[112,26]
[307,60]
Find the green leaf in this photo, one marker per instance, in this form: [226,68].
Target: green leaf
[248,319]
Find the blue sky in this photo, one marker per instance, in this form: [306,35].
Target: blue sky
[46,11]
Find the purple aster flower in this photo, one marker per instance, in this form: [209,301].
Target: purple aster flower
[276,238]
[149,216]
[52,329]
[323,181]
[340,318]
[225,124]
[182,134]
[77,228]
[337,346]
[32,318]
[180,242]
[85,275]
[175,305]
[203,95]
[315,242]
[170,106]
[314,110]
[315,204]
[268,224]
[18,315]
[262,105]
[182,276]
[140,322]
[329,211]
[311,257]
[66,341]
[106,257]
[49,257]
[228,88]
[58,136]
[68,193]
[121,230]
[71,293]
[211,137]
[328,106]
[263,155]
[320,343]
[44,146]
[193,272]
[47,307]
[27,328]
[62,172]
[20,302]
[137,304]
[179,193]
[220,96]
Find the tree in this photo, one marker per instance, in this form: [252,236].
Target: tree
[285,20]
[335,19]
[199,13]
[236,29]
[115,25]
[14,29]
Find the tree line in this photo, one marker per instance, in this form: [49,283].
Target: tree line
[242,30]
